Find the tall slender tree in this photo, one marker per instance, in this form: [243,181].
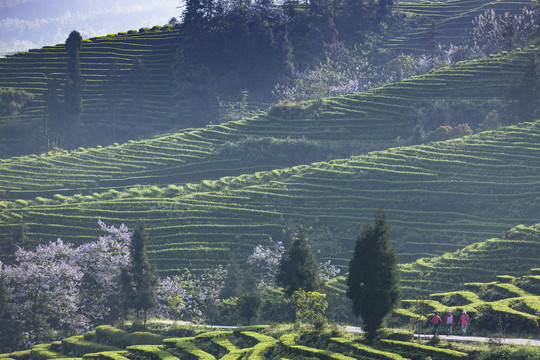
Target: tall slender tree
[74,80]
[373,281]
[298,267]
[138,284]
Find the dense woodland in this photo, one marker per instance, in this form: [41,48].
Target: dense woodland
[299,165]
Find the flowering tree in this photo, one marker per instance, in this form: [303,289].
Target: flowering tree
[62,287]
[266,261]
[43,286]
[188,296]
[101,262]
[494,34]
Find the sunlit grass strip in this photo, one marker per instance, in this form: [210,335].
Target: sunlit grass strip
[289,341]
[367,351]
[106,355]
[152,352]
[414,349]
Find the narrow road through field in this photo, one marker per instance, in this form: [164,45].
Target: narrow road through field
[357,330]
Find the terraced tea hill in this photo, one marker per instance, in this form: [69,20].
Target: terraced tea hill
[511,304]
[452,22]
[286,136]
[106,66]
[439,197]
[255,343]
[514,255]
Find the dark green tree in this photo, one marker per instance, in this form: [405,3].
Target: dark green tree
[16,238]
[10,332]
[138,283]
[249,306]
[74,80]
[374,280]
[232,286]
[298,268]
[12,101]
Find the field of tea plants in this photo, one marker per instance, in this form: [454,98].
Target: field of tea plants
[255,343]
[513,255]
[509,304]
[283,137]
[106,66]
[439,197]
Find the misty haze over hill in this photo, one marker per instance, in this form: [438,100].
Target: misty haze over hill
[29,24]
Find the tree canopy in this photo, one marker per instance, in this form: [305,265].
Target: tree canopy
[374,280]
[298,267]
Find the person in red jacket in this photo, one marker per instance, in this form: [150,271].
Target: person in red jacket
[464,321]
[436,321]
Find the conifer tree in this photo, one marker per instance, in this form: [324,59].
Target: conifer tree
[74,79]
[138,284]
[374,280]
[298,268]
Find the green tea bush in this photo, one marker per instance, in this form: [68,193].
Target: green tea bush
[419,351]
[394,334]
[509,353]
[77,346]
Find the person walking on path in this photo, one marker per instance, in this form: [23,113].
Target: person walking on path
[449,321]
[464,321]
[436,321]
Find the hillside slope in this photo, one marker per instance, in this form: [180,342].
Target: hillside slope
[438,197]
[286,136]
[513,255]
[448,22]
[140,97]
[121,103]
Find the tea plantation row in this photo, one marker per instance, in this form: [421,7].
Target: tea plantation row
[438,197]
[108,343]
[286,136]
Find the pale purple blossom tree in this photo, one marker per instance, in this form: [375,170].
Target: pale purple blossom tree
[62,287]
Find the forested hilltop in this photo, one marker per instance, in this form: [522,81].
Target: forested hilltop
[222,60]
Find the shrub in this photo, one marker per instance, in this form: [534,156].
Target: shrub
[77,346]
[413,350]
[394,334]
[439,134]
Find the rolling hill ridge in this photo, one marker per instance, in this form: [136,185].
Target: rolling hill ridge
[285,136]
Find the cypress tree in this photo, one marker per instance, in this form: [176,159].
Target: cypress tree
[298,268]
[138,283]
[74,79]
[374,280]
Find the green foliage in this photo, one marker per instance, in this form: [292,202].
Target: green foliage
[394,334]
[509,353]
[77,346]
[138,283]
[309,306]
[249,306]
[298,267]
[109,335]
[12,101]
[491,121]
[373,282]
[74,80]
[414,350]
